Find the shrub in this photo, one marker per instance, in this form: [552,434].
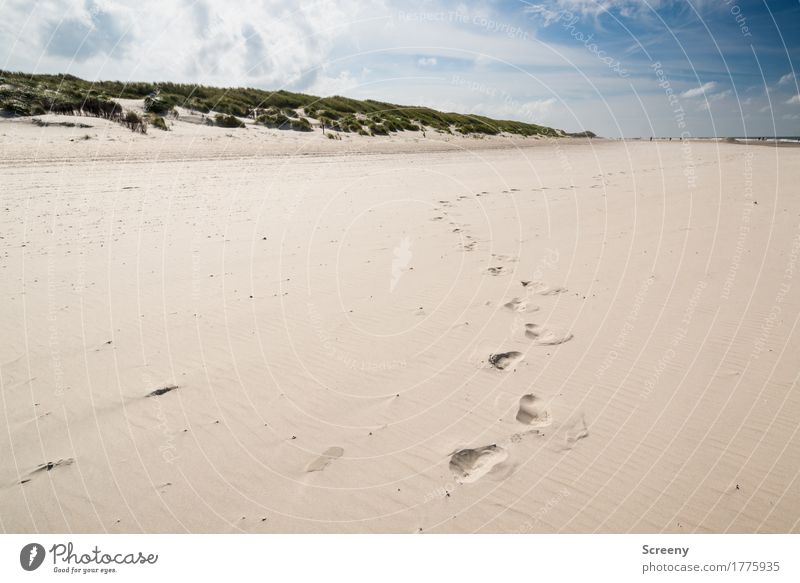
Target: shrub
[134,122]
[159,122]
[274,120]
[378,130]
[328,114]
[301,124]
[228,121]
[16,107]
[25,94]
[157,105]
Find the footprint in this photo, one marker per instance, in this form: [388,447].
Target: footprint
[575,432]
[504,360]
[543,289]
[544,337]
[162,390]
[504,258]
[495,270]
[49,466]
[520,305]
[469,465]
[326,458]
[533,412]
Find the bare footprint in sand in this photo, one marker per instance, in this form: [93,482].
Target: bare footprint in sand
[48,467]
[504,258]
[469,465]
[576,431]
[520,305]
[533,412]
[162,390]
[504,360]
[543,289]
[551,290]
[544,337]
[325,459]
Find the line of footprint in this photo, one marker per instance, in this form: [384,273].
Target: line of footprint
[470,464]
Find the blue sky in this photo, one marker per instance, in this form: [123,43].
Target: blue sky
[618,67]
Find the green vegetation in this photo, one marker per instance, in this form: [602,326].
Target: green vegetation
[26,94]
[584,134]
[228,121]
[300,124]
[134,122]
[159,122]
[159,105]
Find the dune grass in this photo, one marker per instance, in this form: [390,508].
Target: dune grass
[26,94]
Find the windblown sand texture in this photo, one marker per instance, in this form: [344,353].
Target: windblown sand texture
[212,330]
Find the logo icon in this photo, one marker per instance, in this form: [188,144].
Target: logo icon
[31,556]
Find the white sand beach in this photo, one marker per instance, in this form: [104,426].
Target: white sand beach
[212,330]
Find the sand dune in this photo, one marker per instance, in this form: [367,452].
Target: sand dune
[214,330]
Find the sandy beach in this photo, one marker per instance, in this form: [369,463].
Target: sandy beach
[212,330]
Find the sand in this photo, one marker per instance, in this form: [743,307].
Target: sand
[212,330]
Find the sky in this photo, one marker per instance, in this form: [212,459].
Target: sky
[621,68]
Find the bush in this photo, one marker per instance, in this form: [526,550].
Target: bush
[25,94]
[16,107]
[274,120]
[301,124]
[201,105]
[228,121]
[328,114]
[378,130]
[159,122]
[134,122]
[157,105]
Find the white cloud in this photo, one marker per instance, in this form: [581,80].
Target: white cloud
[427,62]
[251,41]
[697,91]
[553,10]
[794,99]
[788,78]
[714,97]
[720,95]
